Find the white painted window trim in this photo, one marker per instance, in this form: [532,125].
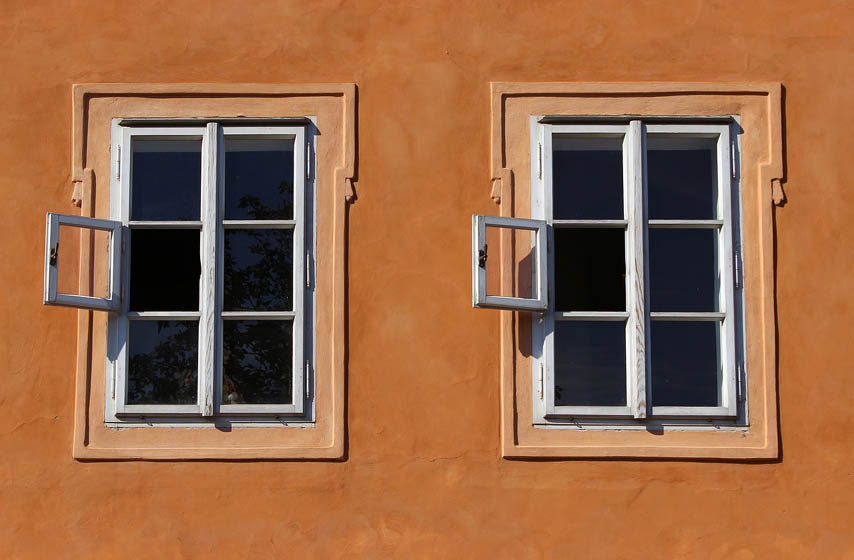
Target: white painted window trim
[52,296]
[638,366]
[480,297]
[207,410]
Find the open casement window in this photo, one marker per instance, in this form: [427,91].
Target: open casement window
[528,236]
[210,250]
[641,321]
[110,300]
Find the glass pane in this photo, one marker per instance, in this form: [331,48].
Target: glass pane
[259,179]
[257,362]
[164,270]
[685,363]
[682,178]
[683,269]
[259,269]
[163,362]
[588,178]
[590,269]
[590,363]
[166,179]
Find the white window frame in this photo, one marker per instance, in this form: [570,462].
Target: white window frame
[208,409]
[480,297]
[638,357]
[52,296]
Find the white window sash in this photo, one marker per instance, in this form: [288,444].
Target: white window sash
[52,296]
[297,315]
[638,359]
[725,278]
[480,297]
[210,314]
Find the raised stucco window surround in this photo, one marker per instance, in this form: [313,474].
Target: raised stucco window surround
[657,335]
[226,177]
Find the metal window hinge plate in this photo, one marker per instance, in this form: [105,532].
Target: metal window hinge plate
[306,379]
[737,267]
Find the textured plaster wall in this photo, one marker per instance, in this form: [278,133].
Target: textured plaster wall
[423,477]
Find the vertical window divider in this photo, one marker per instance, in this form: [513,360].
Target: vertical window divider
[635,249]
[220,266]
[299,371]
[646,319]
[728,367]
[207,289]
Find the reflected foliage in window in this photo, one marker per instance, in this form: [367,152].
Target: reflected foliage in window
[258,270]
[257,362]
[163,362]
[259,179]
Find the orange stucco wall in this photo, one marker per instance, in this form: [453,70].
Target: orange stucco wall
[423,475]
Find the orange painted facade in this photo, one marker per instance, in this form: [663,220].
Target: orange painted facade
[422,473]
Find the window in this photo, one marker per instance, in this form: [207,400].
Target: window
[232,343]
[211,244]
[215,278]
[657,334]
[641,321]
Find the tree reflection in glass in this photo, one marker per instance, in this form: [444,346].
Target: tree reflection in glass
[163,364]
[257,362]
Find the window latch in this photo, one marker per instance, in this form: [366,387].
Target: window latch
[54,253]
[481,256]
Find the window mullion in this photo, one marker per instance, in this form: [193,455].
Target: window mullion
[635,266]
[207,291]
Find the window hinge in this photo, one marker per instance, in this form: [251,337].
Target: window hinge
[308,160]
[737,267]
[540,161]
[732,161]
[739,388]
[118,162]
[306,378]
[307,269]
[113,382]
[541,381]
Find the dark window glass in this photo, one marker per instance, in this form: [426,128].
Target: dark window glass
[166,179]
[259,179]
[257,362]
[590,363]
[587,181]
[164,270]
[685,366]
[683,269]
[162,362]
[682,178]
[590,269]
[258,270]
